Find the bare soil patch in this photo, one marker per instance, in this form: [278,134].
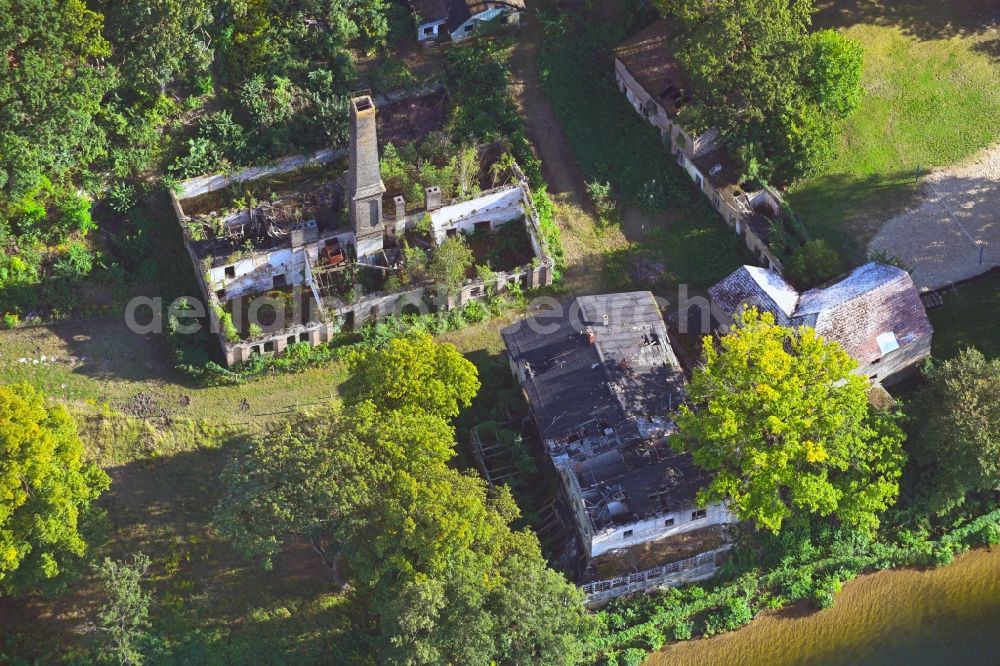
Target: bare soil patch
[952,233]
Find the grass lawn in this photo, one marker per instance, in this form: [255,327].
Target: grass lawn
[929,102]
[968,318]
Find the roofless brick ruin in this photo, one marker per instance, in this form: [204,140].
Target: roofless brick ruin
[294,252]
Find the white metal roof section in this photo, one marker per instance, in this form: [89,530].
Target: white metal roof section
[782,293]
[887,342]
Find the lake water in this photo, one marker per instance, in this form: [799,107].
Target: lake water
[949,615]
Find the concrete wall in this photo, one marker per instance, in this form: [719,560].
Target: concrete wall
[641,101]
[899,364]
[471,25]
[430,30]
[656,528]
[733,215]
[497,208]
[685,147]
[193,187]
[254,274]
[596,543]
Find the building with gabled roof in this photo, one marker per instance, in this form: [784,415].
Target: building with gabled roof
[459,19]
[874,312]
[601,381]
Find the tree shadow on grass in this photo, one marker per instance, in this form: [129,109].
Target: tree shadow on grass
[989,47]
[923,19]
[846,210]
[203,590]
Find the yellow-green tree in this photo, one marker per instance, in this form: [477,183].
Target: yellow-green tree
[45,489]
[780,418]
[413,373]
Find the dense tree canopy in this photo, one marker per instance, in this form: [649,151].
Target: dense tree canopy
[45,489]
[441,573]
[413,374]
[156,42]
[124,618]
[956,427]
[780,418]
[775,91]
[51,89]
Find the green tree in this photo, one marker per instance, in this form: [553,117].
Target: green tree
[956,431]
[50,90]
[442,576]
[812,264]
[779,417]
[124,618]
[45,489]
[775,91]
[157,42]
[450,263]
[413,374]
[521,612]
[312,478]
[832,69]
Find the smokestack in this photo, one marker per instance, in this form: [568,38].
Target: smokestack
[432,198]
[364,182]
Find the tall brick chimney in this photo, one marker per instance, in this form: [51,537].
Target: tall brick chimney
[364,183]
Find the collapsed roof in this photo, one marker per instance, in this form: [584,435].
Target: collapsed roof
[604,359]
[646,57]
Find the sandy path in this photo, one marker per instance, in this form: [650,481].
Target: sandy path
[954,224]
[584,243]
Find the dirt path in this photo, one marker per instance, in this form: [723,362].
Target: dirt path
[585,243]
[952,232]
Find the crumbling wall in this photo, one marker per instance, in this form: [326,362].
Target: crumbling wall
[657,527]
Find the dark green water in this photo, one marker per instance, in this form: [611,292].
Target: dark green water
[949,615]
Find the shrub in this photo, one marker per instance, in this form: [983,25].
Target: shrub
[812,264]
[551,233]
[824,592]
[633,657]
[203,156]
[255,331]
[736,613]
[683,630]
[268,102]
[944,554]
[121,197]
[75,262]
[11,320]
[226,326]
[990,533]
[450,263]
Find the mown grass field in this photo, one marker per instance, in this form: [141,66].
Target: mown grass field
[931,100]
[211,604]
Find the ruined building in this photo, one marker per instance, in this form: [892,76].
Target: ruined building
[656,86]
[601,382]
[460,19]
[297,251]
